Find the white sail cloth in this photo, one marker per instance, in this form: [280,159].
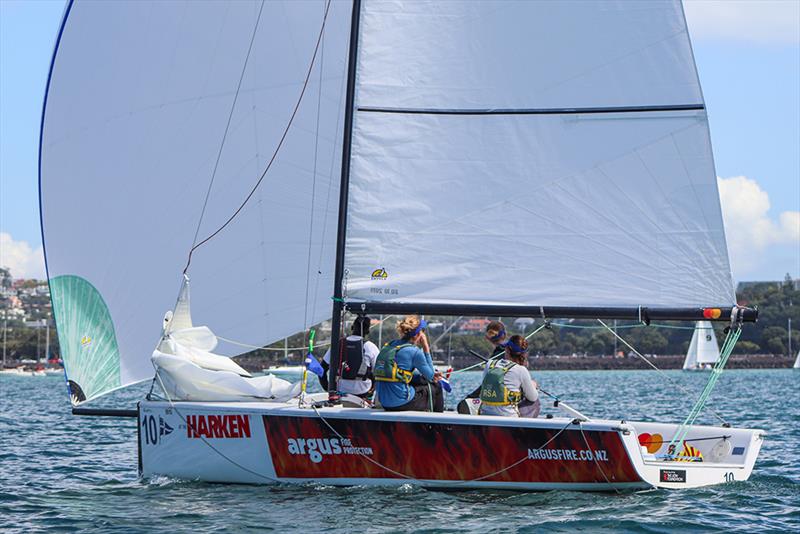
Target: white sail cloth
[183,380]
[497,160]
[131,134]
[703,348]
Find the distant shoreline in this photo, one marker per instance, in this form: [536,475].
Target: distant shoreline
[597,363]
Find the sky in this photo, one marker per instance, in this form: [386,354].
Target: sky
[748,57]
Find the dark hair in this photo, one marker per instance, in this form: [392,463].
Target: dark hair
[522,343]
[360,326]
[496,331]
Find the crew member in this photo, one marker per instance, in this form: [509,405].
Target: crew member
[496,335]
[397,384]
[358,361]
[507,383]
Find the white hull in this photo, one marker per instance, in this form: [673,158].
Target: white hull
[258,443]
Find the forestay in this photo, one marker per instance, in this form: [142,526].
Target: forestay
[135,114]
[532,153]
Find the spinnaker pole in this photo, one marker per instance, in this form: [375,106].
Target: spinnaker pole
[338,294]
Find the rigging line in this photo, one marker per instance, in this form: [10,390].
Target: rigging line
[257,347]
[314,183]
[594,457]
[330,184]
[663,374]
[224,135]
[434,482]
[280,142]
[203,439]
[727,349]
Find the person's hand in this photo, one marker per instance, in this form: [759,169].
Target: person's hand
[437,375]
[423,342]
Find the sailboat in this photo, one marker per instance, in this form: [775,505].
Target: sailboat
[306,161]
[797,361]
[703,350]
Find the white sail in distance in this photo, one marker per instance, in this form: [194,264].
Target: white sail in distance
[532,153]
[140,98]
[703,348]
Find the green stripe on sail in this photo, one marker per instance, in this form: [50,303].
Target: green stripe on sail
[86,336]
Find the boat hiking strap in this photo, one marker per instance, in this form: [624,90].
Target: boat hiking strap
[449,483]
[716,372]
[663,374]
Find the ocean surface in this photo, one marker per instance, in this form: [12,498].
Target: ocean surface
[78,474]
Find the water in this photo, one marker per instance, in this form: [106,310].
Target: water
[65,473]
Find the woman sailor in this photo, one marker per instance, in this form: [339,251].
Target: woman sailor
[397,385]
[507,383]
[496,335]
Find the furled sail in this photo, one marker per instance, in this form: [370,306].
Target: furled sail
[532,153]
[703,348]
[146,102]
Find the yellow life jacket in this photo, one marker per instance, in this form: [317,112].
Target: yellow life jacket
[386,369]
[493,389]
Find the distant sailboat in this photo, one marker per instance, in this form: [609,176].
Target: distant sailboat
[703,350]
[797,361]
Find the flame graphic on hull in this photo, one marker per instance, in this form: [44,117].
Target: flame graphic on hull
[428,451]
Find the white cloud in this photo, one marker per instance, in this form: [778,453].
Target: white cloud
[23,260]
[748,227]
[755,21]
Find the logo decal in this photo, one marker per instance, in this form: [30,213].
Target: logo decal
[154,432]
[380,274]
[86,341]
[673,475]
[217,426]
[317,448]
[163,427]
[598,455]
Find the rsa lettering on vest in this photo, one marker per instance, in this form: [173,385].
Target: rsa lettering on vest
[218,426]
[317,448]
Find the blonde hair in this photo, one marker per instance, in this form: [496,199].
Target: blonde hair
[407,325]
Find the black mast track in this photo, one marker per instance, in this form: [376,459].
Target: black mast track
[634,313]
[344,185]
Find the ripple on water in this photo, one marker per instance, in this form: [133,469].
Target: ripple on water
[64,473]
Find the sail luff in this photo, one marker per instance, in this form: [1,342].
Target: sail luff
[344,189]
[129,141]
[691,355]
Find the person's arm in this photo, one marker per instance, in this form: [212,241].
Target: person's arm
[422,362]
[527,386]
[323,380]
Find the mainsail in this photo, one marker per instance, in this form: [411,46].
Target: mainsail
[703,348]
[532,153]
[134,129]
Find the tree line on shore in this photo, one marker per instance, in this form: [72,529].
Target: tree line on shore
[777,303]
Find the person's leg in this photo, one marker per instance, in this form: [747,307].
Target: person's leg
[529,409]
[438,397]
[420,402]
